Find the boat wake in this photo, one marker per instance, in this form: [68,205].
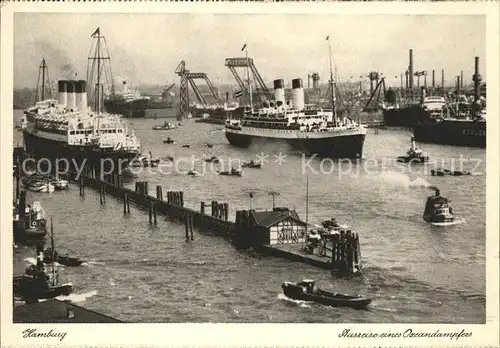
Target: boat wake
[92,263]
[404,181]
[75,298]
[283,297]
[457,221]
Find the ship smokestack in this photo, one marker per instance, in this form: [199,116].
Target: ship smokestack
[279,92]
[71,101]
[298,94]
[477,78]
[433,79]
[81,95]
[62,94]
[476,105]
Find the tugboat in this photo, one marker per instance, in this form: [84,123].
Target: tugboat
[438,210]
[414,155]
[232,172]
[212,159]
[187,146]
[38,284]
[50,255]
[306,290]
[29,222]
[251,164]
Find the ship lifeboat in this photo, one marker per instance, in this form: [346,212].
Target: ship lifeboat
[306,290]
[168,141]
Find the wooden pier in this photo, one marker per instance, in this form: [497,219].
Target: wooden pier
[243,233]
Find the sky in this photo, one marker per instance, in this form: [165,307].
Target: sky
[146,48]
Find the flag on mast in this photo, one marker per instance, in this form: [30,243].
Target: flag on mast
[244,46]
[95,32]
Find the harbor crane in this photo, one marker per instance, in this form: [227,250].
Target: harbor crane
[262,91]
[375,95]
[189,77]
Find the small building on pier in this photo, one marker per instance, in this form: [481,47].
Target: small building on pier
[278,226]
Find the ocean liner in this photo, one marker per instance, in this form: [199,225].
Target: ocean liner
[309,129]
[66,128]
[128,103]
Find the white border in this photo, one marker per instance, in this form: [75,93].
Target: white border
[255,335]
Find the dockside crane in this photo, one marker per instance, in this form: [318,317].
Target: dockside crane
[375,94]
[262,91]
[188,78]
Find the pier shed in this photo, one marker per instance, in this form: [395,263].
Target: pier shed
[278,226]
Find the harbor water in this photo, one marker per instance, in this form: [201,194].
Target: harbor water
[414,272]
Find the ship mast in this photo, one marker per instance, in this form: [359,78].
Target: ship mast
[332,90]
[52,250]
[248,77]
[43,72]
[307,210]
[100,55]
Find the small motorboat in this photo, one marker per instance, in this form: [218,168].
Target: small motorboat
[142,161]
[38,186]
[212,159]
[445,172]
[59,184]
[128,173]
[168,158]
[165,126]
[413,155]
[251,164]
[168,141]
[232,172]
[186,146]
[306,290]
[193,173]
[438,210]
[49,257]
[210,146]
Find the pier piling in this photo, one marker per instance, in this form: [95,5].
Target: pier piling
[186,222]
[150,212]
[346,254]
[202,208]
[159,192]
[226,211]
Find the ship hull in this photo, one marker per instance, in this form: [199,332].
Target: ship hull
[106,160]
[136,108]
[407,116]
[452,132]
[341,146]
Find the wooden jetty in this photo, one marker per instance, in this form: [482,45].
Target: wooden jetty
[278,232]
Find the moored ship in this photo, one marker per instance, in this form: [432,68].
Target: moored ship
[309,129]
[66,128]
[128,103]
[463,129]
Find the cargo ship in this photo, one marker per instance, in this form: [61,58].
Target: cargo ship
[217,114]
[128,103]
[67,128]
[309,129]
[460,129]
